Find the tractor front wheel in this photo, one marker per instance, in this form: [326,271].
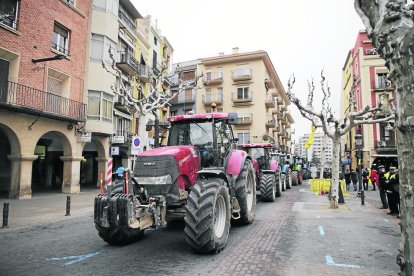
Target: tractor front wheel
[294,176]
[207,218]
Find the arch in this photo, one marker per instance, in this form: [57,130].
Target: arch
[48,168]
[92,153]
[9,173]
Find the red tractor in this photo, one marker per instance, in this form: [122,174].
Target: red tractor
[266,169]
[199,176]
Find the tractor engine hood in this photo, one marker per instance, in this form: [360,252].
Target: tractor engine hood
[158,169]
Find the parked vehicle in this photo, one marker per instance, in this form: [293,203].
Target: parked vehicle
[284,170]
[199,176]
[266,168]
[296,171]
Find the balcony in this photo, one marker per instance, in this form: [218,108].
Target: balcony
[184,98]
[128,22]
[216,98]
[128,64]
[29,100]
[383,145]
[125,141]
[241,74]
[156,68]
[273,92]
[143,73]
[385,86]
[213,78]
[270,83]
[244,119]
[270,102]
[270,121]
[279,101]
[242,98]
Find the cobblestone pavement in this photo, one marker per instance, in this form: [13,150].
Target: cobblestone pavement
[284,239]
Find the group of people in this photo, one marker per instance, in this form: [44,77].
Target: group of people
[387,183]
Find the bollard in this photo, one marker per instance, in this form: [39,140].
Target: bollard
[67,206]
[362,197]
[6,215]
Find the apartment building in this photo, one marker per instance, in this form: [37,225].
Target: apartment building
[367,69]
[247,83]
[316,149]
[42,95]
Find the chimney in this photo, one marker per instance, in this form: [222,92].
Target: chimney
[235,50]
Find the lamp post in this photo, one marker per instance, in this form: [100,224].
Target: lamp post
[358,144]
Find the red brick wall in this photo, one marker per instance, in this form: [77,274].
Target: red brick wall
[35,25]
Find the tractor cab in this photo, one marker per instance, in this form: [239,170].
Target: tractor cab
[211,134]
[260,152]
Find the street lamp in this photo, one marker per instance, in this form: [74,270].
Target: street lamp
[358,144]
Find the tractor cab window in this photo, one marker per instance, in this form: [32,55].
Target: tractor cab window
[198,134]
[259,155]
[224,140]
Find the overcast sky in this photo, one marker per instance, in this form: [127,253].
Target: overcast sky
[301,36]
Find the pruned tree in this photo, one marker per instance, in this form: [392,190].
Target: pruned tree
[331,126]
[156,98]
[390,26]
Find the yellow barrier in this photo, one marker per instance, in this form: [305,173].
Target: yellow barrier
[323,185]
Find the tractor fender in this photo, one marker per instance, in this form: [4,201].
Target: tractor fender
[212,173]
[268,172]
[235,162]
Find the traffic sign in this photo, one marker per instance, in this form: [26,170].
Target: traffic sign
[136,145]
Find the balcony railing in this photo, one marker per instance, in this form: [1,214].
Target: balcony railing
[242,97]
[270,122]
[128,63]
[270,102]
[384,86]
[126,20]
[383,144]
[143,73]
[184,98]
[244,118]
[127,136]
[241,74]
[216,98]
[34,101]
[213,78]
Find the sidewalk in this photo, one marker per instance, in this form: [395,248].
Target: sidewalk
[46,207]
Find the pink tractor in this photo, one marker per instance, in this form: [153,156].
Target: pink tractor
[199,176]
[266,169]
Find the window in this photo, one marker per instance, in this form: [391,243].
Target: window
[188,75]
[71,2]
[382,80]
[54,86]
[244,138]
[173,112]
[154,59]
[155,41]
[243,93]
[100,106]
[8,13]
[60,39]
[100,48]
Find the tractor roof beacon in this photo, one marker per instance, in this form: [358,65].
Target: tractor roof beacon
[199,176]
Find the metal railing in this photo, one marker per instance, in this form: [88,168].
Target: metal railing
[60,49]
[127,136]
[9,20]
[23,97]
[241,73]
[213,76]
[385,144]
[213,98]
[244,118]
[125,19]
[126,57]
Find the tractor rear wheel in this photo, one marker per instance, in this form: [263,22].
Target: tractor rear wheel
[294,176]
[267,188]
[246,194]
[207,218]
[283,181]
[288,180]
[119,235]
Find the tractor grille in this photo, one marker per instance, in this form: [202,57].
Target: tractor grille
[148,169]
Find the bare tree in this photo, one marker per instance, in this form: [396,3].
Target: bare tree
[390,25]
[143,105]
[331,126]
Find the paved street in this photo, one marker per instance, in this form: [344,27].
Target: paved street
[295,235]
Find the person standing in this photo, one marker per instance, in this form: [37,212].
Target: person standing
[382,178]
[365,174]
[354,179]
[373,176]
[347,179]
[393,192]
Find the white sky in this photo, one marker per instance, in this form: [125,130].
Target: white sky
[301,36]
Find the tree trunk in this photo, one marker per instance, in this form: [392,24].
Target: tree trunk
[142,132]
[335,172]
[323,155]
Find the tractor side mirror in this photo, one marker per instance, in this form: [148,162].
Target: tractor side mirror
[236,140]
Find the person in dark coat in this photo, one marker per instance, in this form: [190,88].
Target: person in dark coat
[365,175]
[354,179]
[393,192]
[382,178]
[347,179]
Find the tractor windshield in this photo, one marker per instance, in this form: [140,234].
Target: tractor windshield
[199,134]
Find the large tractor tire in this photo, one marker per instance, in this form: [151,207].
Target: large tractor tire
[207,218]
[283,181]
[246,194]
[119,235]
[295,178]
[288,180]
[278,186]
[268,187]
